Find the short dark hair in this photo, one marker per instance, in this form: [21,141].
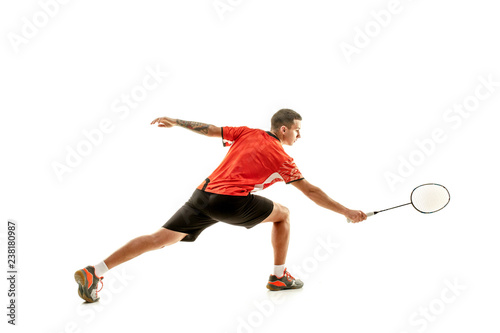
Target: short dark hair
[284,117]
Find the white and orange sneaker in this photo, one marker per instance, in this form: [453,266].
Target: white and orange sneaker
[87,284]
[285,282]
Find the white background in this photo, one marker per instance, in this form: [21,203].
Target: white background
[238,67]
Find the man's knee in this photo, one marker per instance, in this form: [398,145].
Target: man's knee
[155,241]
[164,237]
[279,214]
[284,214]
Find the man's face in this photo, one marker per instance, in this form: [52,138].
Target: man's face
[290,135]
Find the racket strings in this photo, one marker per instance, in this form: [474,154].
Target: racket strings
[430,198]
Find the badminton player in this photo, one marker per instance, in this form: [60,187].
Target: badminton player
[255,161]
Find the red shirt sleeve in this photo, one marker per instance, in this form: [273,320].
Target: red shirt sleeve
[231,134]
[289,172]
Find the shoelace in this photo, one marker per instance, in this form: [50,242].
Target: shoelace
[289,277]
[102,286]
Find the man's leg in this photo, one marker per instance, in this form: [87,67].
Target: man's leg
[137,246]
[280,235]
[89,277]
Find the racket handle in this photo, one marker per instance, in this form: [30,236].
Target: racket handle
[367,214]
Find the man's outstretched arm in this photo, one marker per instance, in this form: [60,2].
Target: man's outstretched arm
[201,128]
[322,199]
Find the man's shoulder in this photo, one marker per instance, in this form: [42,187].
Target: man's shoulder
[244,130]
[244,127]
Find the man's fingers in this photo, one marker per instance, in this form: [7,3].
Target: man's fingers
[359,217]
[160,123]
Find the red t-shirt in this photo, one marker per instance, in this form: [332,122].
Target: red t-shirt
[255,161]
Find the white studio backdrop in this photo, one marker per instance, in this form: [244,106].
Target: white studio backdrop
[393,94]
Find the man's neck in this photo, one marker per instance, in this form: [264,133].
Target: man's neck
[276,135]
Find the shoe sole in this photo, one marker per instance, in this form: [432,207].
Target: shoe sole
[80,279]
[274,288]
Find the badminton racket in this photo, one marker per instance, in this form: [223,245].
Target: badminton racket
[426,198]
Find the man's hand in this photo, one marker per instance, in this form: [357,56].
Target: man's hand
[355,215]
[164,122]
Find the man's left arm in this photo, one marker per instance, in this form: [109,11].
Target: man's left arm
[200,128]
[322,199]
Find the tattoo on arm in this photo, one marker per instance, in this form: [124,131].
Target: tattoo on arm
[194,126]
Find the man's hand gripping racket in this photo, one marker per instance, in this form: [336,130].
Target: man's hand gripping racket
[426,198]
[355,216]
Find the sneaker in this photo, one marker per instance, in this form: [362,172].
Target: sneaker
[87,284]
[285,282]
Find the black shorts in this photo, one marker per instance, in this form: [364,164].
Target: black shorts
[205,209]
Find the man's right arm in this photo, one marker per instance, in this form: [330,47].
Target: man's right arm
[322,199]
[200,128]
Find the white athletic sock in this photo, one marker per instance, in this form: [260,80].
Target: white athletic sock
[279,270]
[100,269]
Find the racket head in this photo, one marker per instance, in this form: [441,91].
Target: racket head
[429,198]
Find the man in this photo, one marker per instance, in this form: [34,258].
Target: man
[255,161]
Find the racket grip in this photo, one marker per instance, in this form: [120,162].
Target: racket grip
[367,214]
